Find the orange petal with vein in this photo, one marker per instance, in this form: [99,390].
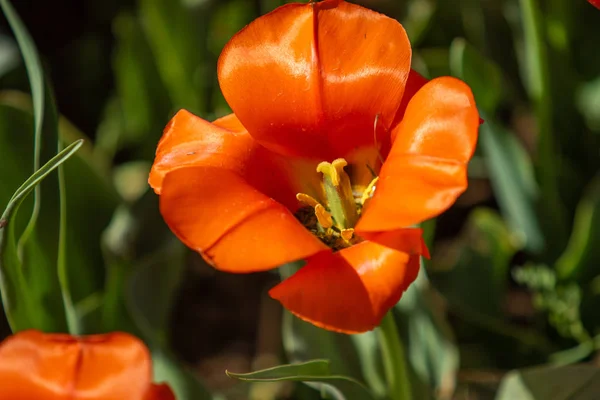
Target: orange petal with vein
[190,141]
[351,290]
[238,228]
[310,79]
[426,169]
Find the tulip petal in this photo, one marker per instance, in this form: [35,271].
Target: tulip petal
[311,79]
[190,141]
[414,83]
[38,366]
[235,226]
[408,240]
[351,290]
[160,392]
[426,169]
[221,192]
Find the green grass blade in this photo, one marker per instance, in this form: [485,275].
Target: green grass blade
[39,253]
[36,79]
[30,184]
[315,371]
[12,281]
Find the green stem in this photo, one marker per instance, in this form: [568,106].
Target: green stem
[394,360]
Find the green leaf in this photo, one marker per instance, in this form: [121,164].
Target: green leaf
[313,368]
[87,187]
[341,387]
[394,359]
[581,259]
[303,341]
[578,382]
[513,181]
[40,246]
[21,309]
[431,349]
[174,31]
[369,353]
[347,355]
[483,76]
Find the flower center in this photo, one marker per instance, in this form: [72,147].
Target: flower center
[333,220]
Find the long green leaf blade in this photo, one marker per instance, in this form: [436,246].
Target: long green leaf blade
[316,371]
[39,251]
[12,281]
[36,80]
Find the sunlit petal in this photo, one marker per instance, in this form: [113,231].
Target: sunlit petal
[426,169]
[310,79]
[348,291]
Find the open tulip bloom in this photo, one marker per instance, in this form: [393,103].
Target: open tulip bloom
[334,152]
[39,366]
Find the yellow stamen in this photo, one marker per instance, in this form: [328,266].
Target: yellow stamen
[347,234]
[306,199]
[369,191]
[323,216]
[332,170]
[338,191]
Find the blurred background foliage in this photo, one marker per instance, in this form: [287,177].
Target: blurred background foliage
[514,280]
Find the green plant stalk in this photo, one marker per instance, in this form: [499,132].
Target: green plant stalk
[33,66]
[394,360]
[19,280]
[73,322]
[540,92]
[116,277]
[575,354]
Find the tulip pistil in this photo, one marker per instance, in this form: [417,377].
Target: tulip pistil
[338,192]
[332,220]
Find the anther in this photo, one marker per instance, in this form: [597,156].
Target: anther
[306,199]
[347,234]
[323,216]
[338,191]
[369,191]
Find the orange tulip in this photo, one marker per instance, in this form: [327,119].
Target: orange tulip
[335,150]
[39,366]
